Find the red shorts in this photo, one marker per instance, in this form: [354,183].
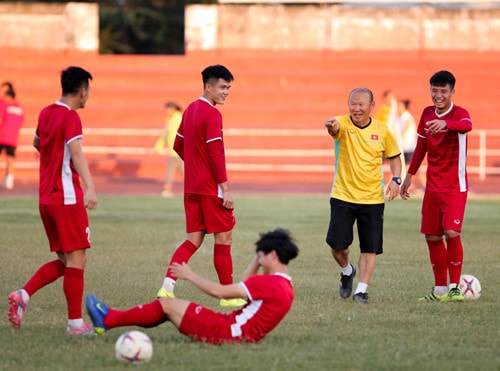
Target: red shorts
[203,324]
[206,213]
[443,211]
[66,226]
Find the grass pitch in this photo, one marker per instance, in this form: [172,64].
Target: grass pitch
[134,237]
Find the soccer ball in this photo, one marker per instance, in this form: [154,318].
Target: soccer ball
[134,347]
[470,287]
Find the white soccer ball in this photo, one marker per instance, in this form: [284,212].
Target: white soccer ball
[134,347]
[470,287]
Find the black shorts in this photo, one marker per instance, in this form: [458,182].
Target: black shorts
[11,150]
[370,223]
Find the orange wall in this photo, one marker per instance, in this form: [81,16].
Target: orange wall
[272,90]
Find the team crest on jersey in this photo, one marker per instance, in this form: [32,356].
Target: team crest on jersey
[374,137]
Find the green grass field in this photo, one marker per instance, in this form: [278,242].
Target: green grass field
[133,238]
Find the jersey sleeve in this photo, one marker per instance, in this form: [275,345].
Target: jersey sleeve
[73,127]
[257,287]
[391,146]
[461,121]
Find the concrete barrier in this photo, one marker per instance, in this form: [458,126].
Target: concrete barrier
[330,27]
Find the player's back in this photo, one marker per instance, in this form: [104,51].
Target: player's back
[58,125]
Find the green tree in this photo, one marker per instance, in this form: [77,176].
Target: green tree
[140,26]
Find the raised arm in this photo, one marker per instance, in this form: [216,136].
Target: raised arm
[216,290]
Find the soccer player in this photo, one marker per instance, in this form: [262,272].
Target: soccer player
[62,202]
[442,136]
[361,143]
[208,202]
[11,120]
[270,296]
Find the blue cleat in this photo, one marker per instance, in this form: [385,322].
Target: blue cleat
[97,311]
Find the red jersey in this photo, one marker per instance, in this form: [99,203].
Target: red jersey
[271,297]
[11,120]
[446,151]
[58,126]
[199,142]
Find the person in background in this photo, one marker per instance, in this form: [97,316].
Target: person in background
[442,136]
[174,162]
[208,201]
[62,203]
[408,129]
[11,120]
[270,296]
[361,144]
[388,112]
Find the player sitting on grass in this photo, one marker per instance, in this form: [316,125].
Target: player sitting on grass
[269,295]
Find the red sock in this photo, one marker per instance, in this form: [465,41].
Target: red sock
[455,258]
[181,255]
[73,290]
[437,253]
[144,315]
[223,263]
[46,274]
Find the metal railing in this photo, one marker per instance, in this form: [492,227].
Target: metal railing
[483,150]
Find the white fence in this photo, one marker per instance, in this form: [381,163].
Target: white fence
[483,150]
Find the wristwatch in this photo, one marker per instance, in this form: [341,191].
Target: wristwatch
[397,180]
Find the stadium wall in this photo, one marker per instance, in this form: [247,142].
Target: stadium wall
[341,27]
[50,26]
[335,27]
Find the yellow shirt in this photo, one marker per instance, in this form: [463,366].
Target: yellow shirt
[171,127]
[359,175]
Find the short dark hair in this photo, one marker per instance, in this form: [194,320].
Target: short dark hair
[280,241]
[216,72]
[172,104]
[10,93]
[73,79]
[8,84]
[361,90]
[443,78]
[406,103]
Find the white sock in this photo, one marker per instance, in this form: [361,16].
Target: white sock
[76,323]
[25,296]
[347,271]
[453,285]
[168,284]
[440,290]
[361,287]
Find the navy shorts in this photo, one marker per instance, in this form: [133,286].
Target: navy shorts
[370,224]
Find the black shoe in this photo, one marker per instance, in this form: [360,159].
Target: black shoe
[361,297]
[345,289]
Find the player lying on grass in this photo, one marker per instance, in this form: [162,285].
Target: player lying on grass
[269,298]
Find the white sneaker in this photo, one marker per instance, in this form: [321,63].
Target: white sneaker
[9,181]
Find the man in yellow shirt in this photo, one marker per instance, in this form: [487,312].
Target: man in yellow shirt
[361,144]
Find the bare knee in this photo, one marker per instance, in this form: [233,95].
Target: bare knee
[451,234]
[224,238]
